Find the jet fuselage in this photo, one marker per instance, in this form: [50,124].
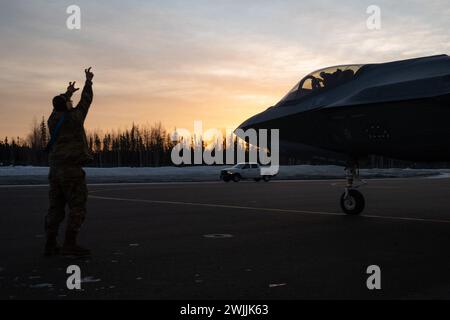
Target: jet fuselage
[399,110]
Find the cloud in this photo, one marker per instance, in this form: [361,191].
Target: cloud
[175,61]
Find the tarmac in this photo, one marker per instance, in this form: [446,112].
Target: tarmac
[246,240]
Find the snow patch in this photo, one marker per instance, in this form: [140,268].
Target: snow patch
[41,285]
[90,279]
[274,285]
[33,175]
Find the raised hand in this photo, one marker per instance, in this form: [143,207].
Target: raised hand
[71,88]
[89,74]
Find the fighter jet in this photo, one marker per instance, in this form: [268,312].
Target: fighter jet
[398,109]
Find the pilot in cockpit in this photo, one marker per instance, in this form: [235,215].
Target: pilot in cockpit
[331,79]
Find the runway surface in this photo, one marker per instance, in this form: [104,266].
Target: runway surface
[246,240]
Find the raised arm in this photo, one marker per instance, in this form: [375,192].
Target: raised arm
[86,94]
[70,90]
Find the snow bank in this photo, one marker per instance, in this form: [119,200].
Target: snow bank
[34,175]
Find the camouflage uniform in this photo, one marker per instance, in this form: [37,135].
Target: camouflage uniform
[67,186]
[67,178]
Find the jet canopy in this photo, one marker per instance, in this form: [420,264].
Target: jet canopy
[319,81]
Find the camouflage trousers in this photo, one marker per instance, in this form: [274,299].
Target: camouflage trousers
[67,187]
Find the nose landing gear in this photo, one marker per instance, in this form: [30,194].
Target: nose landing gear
[352,201]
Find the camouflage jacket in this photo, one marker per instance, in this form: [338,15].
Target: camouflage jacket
[71,147]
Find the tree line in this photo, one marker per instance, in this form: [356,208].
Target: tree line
[138,146]
[145,146]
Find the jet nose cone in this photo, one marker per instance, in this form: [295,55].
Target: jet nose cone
[250,123]
[247,124]
[255,122]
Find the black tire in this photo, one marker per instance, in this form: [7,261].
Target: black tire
[266,178]
[226,178]
[354,203]
[257,179]
[236,177]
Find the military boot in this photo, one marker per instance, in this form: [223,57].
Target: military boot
[51,245]
[71,248]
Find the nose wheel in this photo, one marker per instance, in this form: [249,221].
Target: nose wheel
[352,201]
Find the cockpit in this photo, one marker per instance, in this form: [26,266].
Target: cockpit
[320,81]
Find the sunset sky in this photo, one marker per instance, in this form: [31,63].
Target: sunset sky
[179,61]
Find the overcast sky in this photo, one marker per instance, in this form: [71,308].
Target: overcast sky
[179,61]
